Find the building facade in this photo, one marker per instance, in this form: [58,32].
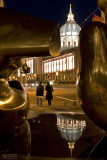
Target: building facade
[35,73]
[64,67]
[61,69]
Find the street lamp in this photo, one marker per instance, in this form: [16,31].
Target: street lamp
[56,73]
[57,77]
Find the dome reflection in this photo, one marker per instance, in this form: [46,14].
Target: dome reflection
[70,128]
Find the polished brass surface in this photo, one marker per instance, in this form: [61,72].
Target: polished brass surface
[93,72]
[24,35]
[21,33]
[9,97]
[103,6]
[21,36]
[14,129]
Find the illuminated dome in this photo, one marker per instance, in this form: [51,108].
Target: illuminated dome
[69,32]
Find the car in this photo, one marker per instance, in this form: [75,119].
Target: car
[30,84]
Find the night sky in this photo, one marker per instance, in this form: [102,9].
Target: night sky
[55,10]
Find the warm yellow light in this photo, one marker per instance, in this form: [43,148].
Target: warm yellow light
[6,101]
[56,73]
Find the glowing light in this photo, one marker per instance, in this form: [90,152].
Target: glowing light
[49,67]
[62,64]
[56,73]
[74,33]
[58,65]
[54,66]
[51,82]
[30,64]
[6,101]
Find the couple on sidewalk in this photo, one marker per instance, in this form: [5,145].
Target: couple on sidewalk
[40,93]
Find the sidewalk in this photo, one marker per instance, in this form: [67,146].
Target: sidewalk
[65,99]
[56,107]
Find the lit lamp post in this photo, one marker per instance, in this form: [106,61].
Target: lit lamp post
[56,73]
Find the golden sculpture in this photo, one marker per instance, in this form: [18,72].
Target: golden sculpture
[93,74]
[21,36]
[92,86]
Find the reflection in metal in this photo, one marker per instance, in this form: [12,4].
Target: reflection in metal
[93,72]
[70,128]
[20,39]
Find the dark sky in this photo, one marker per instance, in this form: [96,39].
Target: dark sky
[55,10]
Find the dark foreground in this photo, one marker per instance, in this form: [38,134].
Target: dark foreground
[61,136]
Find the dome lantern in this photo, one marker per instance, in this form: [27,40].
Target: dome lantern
[69,32]
[70,15]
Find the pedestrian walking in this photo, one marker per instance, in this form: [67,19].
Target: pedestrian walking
[39,94]
[49,95]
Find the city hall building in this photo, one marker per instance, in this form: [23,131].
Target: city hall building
[64,67]
[61,69]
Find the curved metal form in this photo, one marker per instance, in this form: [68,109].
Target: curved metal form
[14,129]
[93,72]
[22,36]
[103,6]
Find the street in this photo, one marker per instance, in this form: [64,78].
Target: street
[65,99]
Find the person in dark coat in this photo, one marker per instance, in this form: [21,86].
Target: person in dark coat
[39,94]
[49,95]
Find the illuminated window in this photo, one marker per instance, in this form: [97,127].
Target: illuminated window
[54,66]
[30,64]
[60,64]
[71,62]
[49,67]
[44,67]
[64,64]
